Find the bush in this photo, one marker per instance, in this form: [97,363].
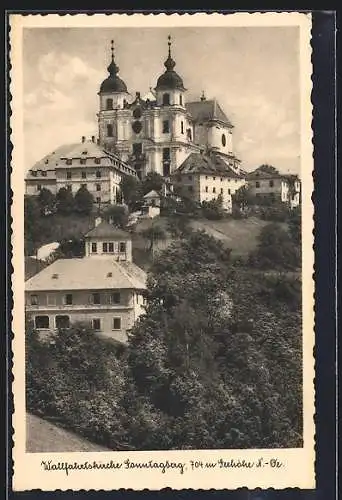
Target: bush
[213,209]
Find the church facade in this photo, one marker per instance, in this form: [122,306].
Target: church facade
[158,132]
[154,133]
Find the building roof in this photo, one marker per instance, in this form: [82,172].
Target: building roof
[198,163]
[106,230]
[207,110]
[88,273]
[86,149]
[113,84]
[269,172]
[152,194]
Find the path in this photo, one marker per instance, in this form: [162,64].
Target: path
[44,437]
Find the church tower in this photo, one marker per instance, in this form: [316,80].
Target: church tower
[113,96]
[174,136]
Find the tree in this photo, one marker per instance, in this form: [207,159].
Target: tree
[84,201]
[276,249]
[153,234]
[213,209]
[242,198]
[47,202]
[179,225]
[117,215]
[65,201]
[34,228]
[152,182]
[131,189]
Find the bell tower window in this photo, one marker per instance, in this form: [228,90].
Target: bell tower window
[109,104]
[166,99]
[166,126]
[109,130]
[181,100]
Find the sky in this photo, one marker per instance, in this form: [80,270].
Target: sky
[253,72]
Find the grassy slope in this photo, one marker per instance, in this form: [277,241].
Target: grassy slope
[239,235]
[44,437]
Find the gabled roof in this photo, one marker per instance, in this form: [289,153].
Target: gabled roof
[88,273]
[152,194]
[203,111]
[106,230]
[198,163]
[87,149]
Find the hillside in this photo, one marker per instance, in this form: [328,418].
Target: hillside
[239,235]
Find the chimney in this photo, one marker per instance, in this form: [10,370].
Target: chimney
[93,138]
[98,221]
[83,138]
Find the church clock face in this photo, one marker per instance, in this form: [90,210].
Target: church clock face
[137,127]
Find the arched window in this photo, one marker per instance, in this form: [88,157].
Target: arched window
[109,104]
[110,130]
[182,127]
[223,140]
[181,100]
[42,322]
[166,99]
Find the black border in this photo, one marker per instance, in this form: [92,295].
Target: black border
[324,101]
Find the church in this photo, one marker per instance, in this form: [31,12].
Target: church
[156,132]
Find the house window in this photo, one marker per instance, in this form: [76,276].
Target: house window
[271,184]
[42,322]
[94,248]
[189,134]
[51,300]
[69,161]
[34,173]
[214,178]
[181,100]
[84,186]
[97,161]
[116,323]
[257,184]
[109,130]
[109,104]
[39,187]
[166,126]
[221,179]
[104,247]
[95,298]
[223,140]
[206,177]
[206,189]
[190,188]
[68,175]
[83,161]
[190,177]
[68,299]
[182,127]
[111,247]
[96,324]
[34,300]
[214,190]
[166,161]
[98,199]
[122,247]
[115,298]
[44,173]
[98,187]
[221,190]
[69,187]
[98,174]
[62,321]
[84,175]
[228,191]
[166,99]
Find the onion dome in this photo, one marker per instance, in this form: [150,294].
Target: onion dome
[170,80]
[113,83]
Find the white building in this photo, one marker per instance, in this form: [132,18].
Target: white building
[266,182]
[73,166]
[205,177]
[103,289]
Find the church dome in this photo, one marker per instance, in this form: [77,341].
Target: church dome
[113,83]
[170,80]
